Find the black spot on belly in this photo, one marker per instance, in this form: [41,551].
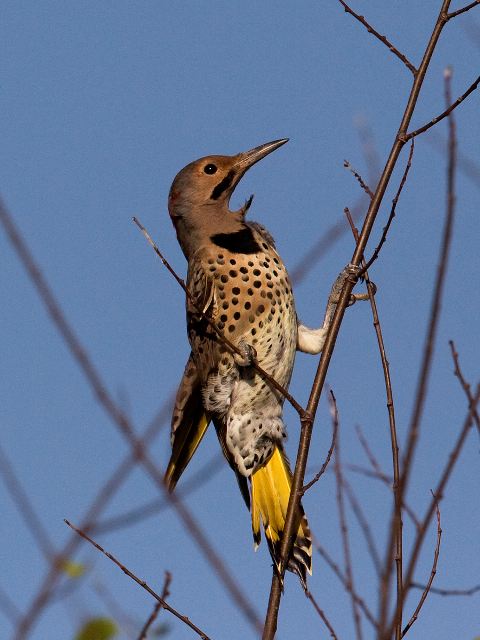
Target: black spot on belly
[238,242]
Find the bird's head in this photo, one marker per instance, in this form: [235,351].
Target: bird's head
[199,197]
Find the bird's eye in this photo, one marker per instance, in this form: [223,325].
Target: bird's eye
[210,169]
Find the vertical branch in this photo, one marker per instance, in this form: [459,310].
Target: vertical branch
[344,528]
[438,492]
[433,573]
[397,523]
[425,368]
[317,387]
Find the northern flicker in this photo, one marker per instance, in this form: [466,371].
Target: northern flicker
[238,281]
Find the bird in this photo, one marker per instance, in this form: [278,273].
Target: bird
[238,287]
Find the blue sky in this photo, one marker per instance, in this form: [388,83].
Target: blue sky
[103,103]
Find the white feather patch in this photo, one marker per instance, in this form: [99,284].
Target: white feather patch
[310,340]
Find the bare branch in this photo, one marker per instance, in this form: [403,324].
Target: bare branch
[324,466]
[438,493]
[383,39]
[344,527]
[358,178]
[312,256]
[387,480]
[458,12]
[397,532]
[448,592]
[430,338]
[433,572]
[465,385]
[364,525]
[338,572]
[158,606]
[393,211]
[140,582]
[466,165]
[321,613]
[368,451]
[408,136]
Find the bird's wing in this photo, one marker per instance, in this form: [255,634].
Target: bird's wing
[189,423]
[221,428]
[201,298]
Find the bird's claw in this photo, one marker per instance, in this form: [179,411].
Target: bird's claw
[351,272]
[248,354]
[357,297]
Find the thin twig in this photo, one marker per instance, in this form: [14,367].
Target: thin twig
[367,449]
[266,376]
[338,572]
[343,526]
[321,246]
[324,466]
[433,572]
[465,165]
[157,607]
[458,12]
[408,136]
[397,497]
[438,493]
[321,613]
[387,480]
[358,178]
[393,211]
[383,39]
[428,349]
[364,525]
[448,592]
[140,582]
[465,385]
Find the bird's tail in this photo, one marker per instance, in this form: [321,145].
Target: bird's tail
[270,493]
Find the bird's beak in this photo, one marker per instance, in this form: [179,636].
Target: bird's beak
[247,159]
[243,162]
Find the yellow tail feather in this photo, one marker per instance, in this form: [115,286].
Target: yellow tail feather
[185,444]
[270,493]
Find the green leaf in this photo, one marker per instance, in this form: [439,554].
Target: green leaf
[73,569]
[98,629]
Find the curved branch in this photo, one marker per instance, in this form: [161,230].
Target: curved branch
[383,39]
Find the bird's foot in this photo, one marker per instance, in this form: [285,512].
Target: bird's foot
[350,272]
[248,354]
